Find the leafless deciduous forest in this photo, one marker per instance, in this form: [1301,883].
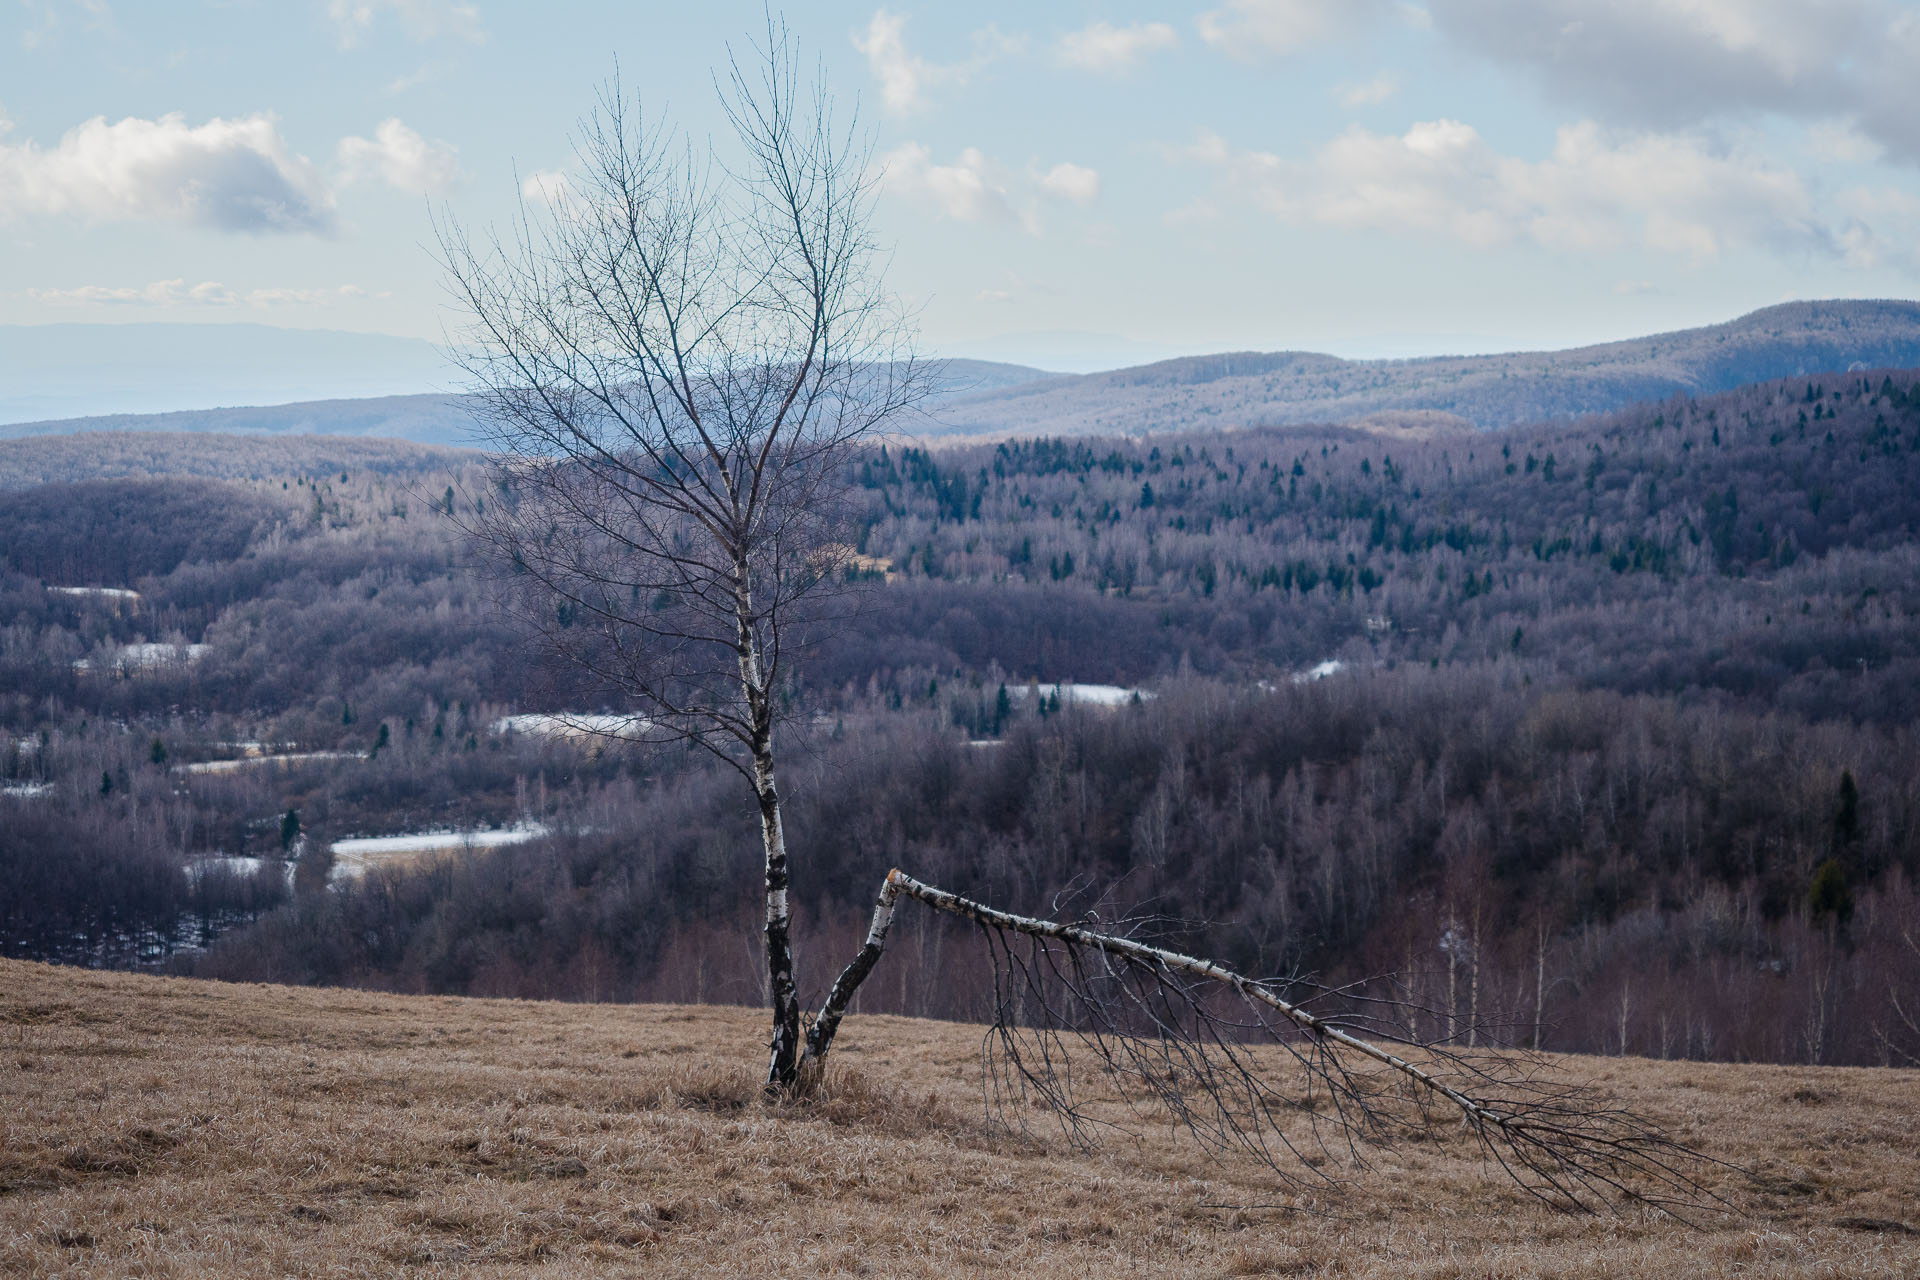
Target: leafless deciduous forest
[1619,755]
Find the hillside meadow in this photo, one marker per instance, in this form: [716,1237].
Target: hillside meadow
[172,1127]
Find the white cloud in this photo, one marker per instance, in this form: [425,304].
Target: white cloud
[176,293]
[161,293]
[1071,181]
[1597,192]
[1672,63]
[547,186]
[975,188]
[905,77]
[306,297]
[424,20]
[1372,93]
[1881,229]
[412,80]
[970,189]
[399,157]
[1251,28]
[902,75]
[1838,140]
[227,175]
[1101,46]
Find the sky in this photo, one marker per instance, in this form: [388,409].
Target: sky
[1074,185]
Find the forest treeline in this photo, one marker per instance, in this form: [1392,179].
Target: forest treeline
[1618,743]
[1596,871]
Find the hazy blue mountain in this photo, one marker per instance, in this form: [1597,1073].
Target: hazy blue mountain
[84,370]
[437,419]
[1251,388]
[1233,389]
[428,419]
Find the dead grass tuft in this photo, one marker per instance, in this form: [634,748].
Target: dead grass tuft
[1876,1226]
[715,1088]
[1270,1262]
[81,1160]
[851,1098]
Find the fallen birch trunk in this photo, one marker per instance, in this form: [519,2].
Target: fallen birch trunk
[1145,1013]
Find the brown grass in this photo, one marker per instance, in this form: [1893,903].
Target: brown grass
[157,1127]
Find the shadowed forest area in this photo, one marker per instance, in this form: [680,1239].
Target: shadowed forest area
[1600,735]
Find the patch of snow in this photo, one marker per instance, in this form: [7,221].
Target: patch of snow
[108,593]
[147,657]
[986,742]
[353,858]
[1093,695]
[237,865]
[285,761]
[568,724]
[1332,666]
[26,790]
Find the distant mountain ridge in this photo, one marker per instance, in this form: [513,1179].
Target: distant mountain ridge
[1250,388]
[65,371]
[1244,388]
[436,419]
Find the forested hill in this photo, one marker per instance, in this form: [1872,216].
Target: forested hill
[1242,389]
[1759,542]
[1254,388]
[136,455]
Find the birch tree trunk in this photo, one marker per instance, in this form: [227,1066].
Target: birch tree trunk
[783,1056]
[783,1051]
[1473,981]
[1539,980]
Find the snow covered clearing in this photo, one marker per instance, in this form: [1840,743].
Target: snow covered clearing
[1093,695]
[149,657]
[26,790]
[116,594]
[229,864]
[285,760]
[567,724]
[354,858]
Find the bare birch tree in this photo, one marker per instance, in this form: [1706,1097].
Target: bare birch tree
[674,352]
[676,356]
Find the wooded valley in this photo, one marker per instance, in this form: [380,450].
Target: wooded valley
[1599,735]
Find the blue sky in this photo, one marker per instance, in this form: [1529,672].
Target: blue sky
[1079,185]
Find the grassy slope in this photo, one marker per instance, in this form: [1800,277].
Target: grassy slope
[166,1127]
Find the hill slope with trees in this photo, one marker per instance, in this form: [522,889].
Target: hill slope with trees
[1244,389]
[1619,738]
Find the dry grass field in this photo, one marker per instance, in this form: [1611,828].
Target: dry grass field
[159,1127]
